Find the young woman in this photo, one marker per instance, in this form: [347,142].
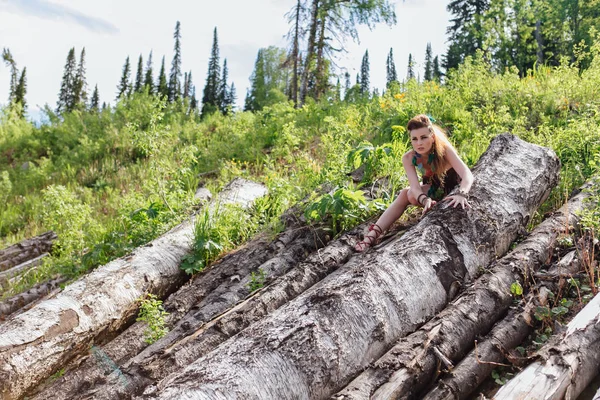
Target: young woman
[441,169]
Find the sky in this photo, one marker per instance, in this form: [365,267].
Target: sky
[39,34]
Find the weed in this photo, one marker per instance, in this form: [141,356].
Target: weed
[257,280]
[153,314]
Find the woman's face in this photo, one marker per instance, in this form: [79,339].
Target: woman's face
[422,140]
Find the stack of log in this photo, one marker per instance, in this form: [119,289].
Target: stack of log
[24,255]
[328,323]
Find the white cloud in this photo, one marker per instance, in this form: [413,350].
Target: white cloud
[111,30]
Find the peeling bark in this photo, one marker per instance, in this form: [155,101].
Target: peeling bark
[35,344]
[489,353]
[411,364]
[315,344]
[209,294]
[26,250]
[567,365]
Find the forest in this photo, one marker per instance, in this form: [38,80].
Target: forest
[143,262]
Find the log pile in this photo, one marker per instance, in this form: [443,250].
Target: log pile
[315,344]
[331,324]
[40,341]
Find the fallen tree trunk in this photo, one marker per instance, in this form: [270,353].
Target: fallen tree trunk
[315,344]
[149,368]
[35,344]
[411,364]
[26,250]
[489,353]
[21,300]
[21,268]
[567,365]
[210,294]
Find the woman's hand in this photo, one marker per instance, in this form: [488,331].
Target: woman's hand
[457,199]
[427,204]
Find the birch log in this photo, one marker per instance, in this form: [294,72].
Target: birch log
[316,343]
[411,364]
[35,344]
[26,250]
[490,352]
[567,365]
[208,295]
[24,299]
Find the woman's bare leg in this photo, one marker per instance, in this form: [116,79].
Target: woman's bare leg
[390,215]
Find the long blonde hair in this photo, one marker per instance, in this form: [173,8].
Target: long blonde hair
[440,143]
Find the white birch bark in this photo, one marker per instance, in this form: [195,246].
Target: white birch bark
[35,344]
[410,365]
[316,343]
[567,365]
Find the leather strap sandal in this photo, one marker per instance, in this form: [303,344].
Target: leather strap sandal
[369,240]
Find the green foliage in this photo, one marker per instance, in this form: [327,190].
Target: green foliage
[257,280]
[153,314]
[345,207]
[516,289]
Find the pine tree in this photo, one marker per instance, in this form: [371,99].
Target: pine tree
[232,97]
[149,78]
[124,85]
[14,74]
[162,89]
[175,74]
[437,72]
[391,75]
[294,58]
[193,101]
[224,89]
[21,92]
[139,76]
[428,63]
[256,97]
[95,101]
[364,74]
[347,83]
[186,85]
[80,96]
[466,32]
[411,68]
[66,96]
[210,97]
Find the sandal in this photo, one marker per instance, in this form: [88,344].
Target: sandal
[369,241]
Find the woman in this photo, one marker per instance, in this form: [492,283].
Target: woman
[441,169]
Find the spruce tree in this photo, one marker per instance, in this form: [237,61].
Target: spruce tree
[391,74]
[148,77]
[139,76]
[162,89]
[411,68]
[186,86]
[256,97]
[466,30]
[124,85]
[66,96]
[21,92]
[364,74]
[80,96]
[14,74]
[232,97]
[175,74]
[437,72]
[224,89]
[210,97]
[428,63]
[95,101]
[193,101]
